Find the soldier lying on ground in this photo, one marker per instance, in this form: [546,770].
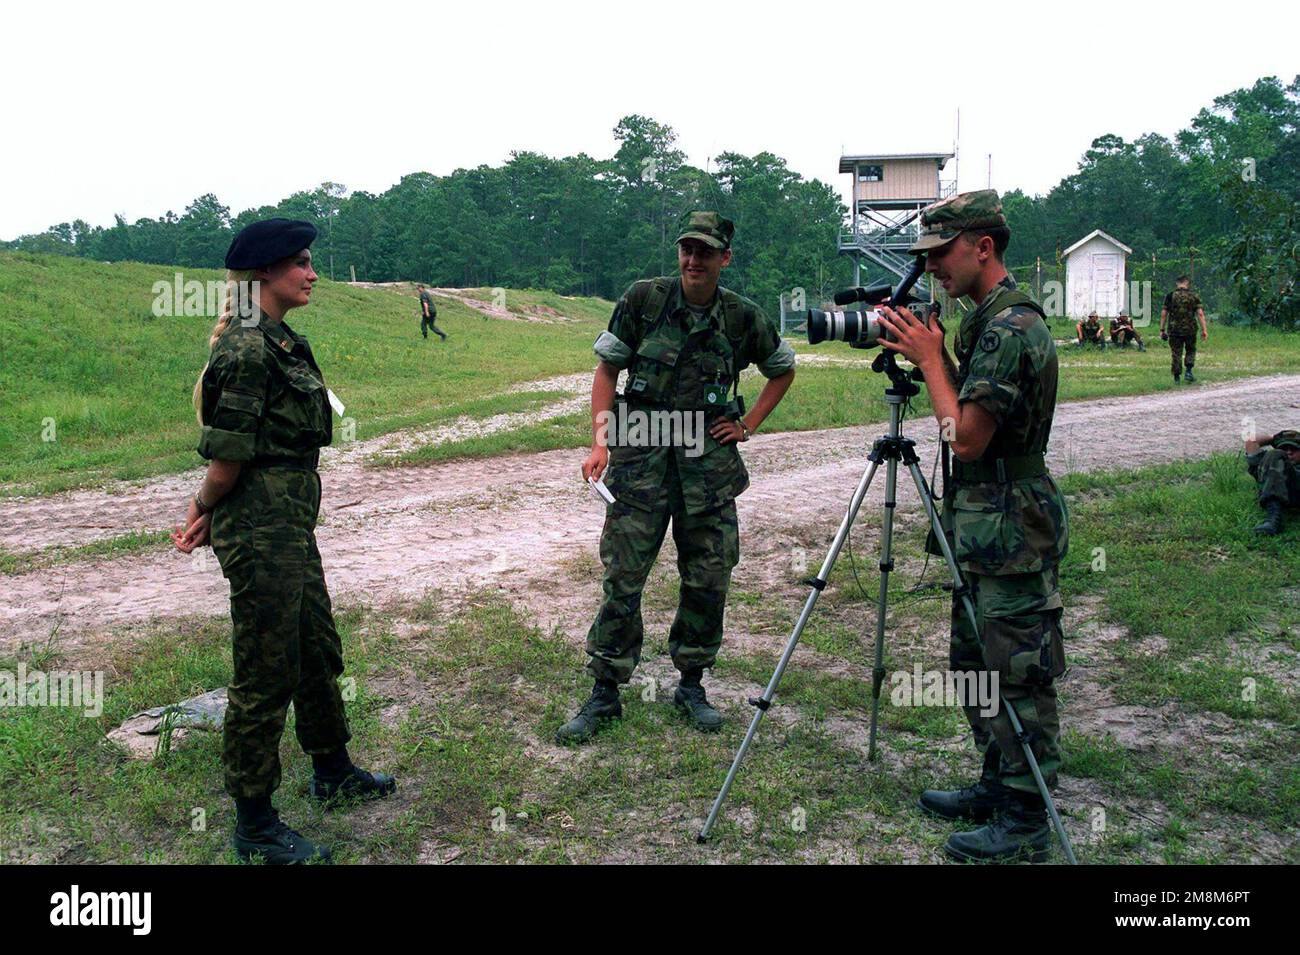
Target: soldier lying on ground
[1274,463]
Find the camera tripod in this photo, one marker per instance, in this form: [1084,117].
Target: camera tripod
[890,448]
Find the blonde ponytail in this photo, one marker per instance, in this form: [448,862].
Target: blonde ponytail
[237,284]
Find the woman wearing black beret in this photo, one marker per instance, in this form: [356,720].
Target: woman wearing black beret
[265,414]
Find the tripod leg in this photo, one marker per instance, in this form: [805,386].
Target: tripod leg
[886,565]
[959,590]
[762,703]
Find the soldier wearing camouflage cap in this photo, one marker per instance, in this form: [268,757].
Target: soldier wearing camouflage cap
[1122,331]
[683,341]
[1006,515]
[1274,463]
[1089,331]
[265,414]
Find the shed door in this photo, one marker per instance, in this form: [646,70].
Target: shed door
[1105,283]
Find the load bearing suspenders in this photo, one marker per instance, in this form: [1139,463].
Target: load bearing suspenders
[732,322]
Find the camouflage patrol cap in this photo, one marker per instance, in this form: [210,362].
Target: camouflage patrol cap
[943,221]
[710,228]
[1287,439]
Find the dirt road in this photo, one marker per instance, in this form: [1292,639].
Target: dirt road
[514,522]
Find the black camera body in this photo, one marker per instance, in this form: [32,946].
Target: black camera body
[860,328]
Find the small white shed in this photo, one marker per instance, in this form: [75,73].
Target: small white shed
[1094,276]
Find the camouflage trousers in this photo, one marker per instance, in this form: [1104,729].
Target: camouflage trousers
[286,648]
[429,324]
[708,547]
[1177,345]
[1020,627]
[1278,479]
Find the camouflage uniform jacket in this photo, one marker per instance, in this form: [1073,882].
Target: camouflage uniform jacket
[1007,365]
[1183,304]
[263,395]
[679,361]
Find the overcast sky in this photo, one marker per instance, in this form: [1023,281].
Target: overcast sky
[138,108]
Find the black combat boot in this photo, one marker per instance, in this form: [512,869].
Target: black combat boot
[338,779]
[690,699]
[602,705]
[978,802]
[1141,347]
[260,835]
[1272,524]
[1019,833]
[1188,375]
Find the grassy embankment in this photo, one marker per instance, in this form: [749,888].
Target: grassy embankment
[83,352]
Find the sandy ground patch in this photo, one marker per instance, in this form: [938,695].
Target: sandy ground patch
[513,522]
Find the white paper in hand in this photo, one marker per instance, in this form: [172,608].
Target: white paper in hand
[334,402]
[599,491]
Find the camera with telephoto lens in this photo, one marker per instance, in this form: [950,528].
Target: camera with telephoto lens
[861,329]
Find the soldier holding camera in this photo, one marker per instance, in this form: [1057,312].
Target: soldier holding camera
[1007,516]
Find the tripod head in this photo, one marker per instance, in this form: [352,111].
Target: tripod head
[902,383]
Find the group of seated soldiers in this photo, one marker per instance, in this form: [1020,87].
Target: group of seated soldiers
[1121,331]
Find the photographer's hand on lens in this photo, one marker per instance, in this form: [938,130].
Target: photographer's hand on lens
[919,341]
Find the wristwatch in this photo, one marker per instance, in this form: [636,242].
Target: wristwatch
[744,427]
[203,508]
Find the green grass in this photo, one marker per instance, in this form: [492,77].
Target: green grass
[84,353]
[459,695]
[87,364]
[120,545]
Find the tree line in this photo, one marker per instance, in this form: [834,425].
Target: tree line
[1223,191]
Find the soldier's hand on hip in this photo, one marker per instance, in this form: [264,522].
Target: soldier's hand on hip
[726,431]
[596,462]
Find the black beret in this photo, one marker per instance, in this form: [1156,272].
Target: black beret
[270,240]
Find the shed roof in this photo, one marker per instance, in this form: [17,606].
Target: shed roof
[1092,235]
[847,160]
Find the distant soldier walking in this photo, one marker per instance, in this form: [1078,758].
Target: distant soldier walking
[1274,463]
[429,314]
[1182,310]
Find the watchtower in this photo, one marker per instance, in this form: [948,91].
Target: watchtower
[889,192]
